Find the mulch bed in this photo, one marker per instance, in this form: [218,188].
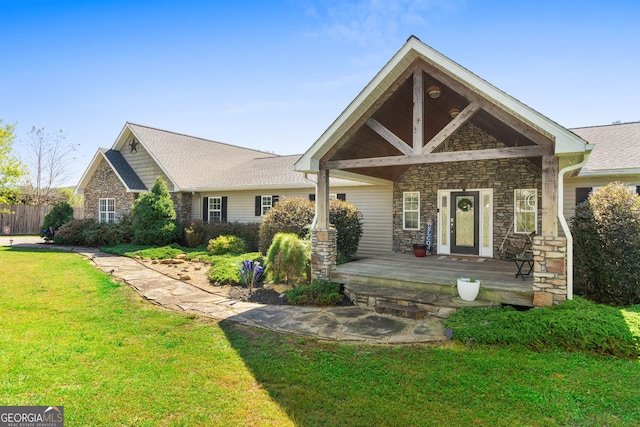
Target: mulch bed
[268,296]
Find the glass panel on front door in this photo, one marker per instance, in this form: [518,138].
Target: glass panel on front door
[464,223]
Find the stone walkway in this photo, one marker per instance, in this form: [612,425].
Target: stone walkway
[346,324]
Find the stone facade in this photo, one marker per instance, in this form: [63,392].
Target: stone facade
[549,270]
[182,206]
[105,184]
[502,175]
[323,257]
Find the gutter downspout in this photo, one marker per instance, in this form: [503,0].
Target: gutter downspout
[315,211]
[563,221]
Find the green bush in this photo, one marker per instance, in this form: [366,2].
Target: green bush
[290,215]
[246,231]
[288,259]
[60,214]
[606,233]
[577,325]
[154,217]
[295,214]
[226,245]
[319,292]
[89,232]
[225,269]
[347,220]
[194,234]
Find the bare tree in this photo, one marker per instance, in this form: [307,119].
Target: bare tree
[49,156]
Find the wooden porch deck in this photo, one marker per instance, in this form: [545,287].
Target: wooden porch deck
[405,273]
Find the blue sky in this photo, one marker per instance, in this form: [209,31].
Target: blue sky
[273,75]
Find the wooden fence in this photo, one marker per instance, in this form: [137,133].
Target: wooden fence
[27,219]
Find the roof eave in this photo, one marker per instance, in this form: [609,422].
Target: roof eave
[609,172]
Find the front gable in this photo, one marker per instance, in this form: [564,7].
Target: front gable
[417,101]
[135,151]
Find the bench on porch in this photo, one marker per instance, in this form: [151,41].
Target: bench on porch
[521,256]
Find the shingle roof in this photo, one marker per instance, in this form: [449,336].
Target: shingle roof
[263,172]
[617,147]
[122,168]
[190,161]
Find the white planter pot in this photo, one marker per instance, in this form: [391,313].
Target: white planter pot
[468,290]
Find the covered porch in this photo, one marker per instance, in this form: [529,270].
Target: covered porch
[469,165]
[406,279]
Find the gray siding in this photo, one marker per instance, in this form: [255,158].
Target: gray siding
[571,184]
[144,166]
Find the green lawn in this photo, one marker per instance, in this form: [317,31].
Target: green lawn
[71,337]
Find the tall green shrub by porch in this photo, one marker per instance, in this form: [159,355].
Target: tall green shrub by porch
[288,259]
[347,220]
[154,217]
[606,233]
[295,214]
[290,215]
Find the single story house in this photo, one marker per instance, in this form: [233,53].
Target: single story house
[210,180]
[425,142]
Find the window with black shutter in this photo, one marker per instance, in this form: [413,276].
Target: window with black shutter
[223,216]
[205,209]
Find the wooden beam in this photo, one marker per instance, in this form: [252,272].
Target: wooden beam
[379,101]
[322,200]
[418,111]
[456,156]
[549,195]
[505,117]
[389,136]
[455,124]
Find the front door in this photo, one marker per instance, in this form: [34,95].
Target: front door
[464,222]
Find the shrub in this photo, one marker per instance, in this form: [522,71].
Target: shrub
[89,232]
[226,245]
[606,231]
[246,231]
[288,259]
[290,215]
[577,325]
[319,292]
[60,214]
[347,220]
[154,217]
[295,214]
[194,233]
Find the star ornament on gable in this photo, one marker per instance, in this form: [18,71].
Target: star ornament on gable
[133,146]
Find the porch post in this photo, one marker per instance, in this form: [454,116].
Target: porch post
[549,195]
[549,249]
[323,238]
[418,111]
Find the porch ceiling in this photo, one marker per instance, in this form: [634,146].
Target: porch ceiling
[395,113]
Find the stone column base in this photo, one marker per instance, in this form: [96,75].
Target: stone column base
[323,253]
[549,270]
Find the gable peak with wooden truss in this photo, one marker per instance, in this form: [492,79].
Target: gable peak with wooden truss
[415,103]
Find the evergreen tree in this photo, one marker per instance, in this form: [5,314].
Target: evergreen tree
[154,217]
